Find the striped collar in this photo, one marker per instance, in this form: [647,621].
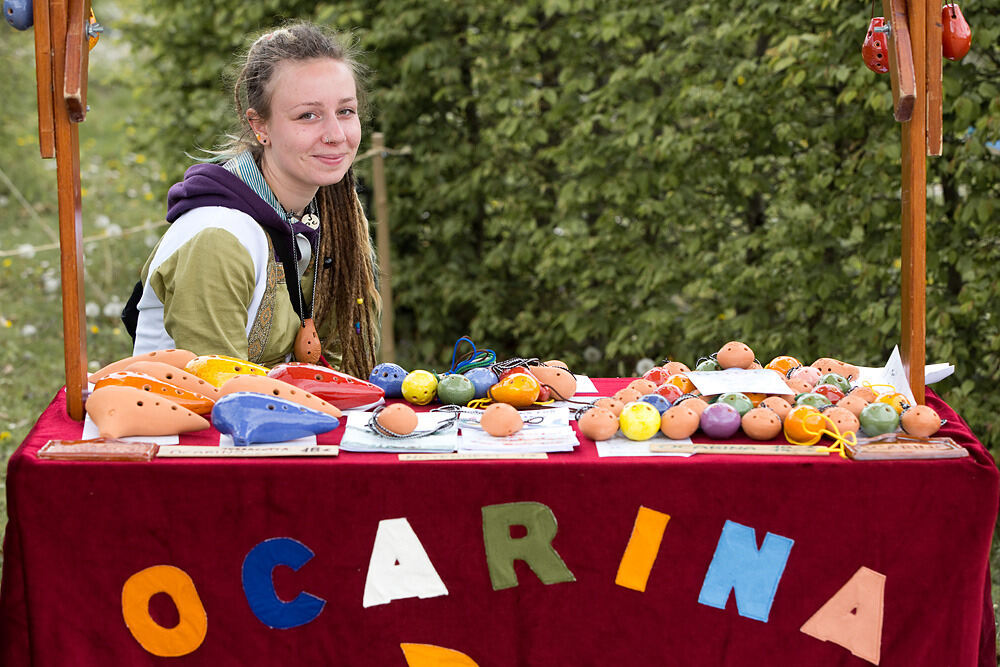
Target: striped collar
[244,166]
[246,169]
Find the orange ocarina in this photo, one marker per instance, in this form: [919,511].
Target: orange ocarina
[307,346]
[193,401]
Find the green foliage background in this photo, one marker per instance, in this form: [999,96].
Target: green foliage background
[607,181]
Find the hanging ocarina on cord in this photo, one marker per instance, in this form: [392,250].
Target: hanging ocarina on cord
[874,50]
[307,345]
[956,35]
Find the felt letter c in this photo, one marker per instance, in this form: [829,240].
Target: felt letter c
[258,586]
[173,642]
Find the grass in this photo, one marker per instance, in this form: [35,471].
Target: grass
[123,207]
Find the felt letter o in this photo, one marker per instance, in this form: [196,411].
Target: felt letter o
[173,642]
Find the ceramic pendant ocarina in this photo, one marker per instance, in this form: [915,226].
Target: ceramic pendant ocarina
[956,35]
[874,51]
[250,418]
[123,411]
[307,346]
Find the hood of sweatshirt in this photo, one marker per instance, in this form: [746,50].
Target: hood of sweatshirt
[213,185]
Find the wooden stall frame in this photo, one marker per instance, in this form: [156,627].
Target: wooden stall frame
[61,60]
[61,64]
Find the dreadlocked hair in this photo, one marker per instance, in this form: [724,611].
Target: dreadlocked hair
[346,288]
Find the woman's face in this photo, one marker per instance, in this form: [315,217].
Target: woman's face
[312,136]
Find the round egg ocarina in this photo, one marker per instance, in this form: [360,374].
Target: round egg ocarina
[482,379]
[517,389]
[598,423]
[256,418]
[501,420]
[720,420]
[390,377]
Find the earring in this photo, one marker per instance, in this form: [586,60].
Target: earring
[261,139]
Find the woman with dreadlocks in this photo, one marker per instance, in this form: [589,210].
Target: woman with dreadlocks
[268,256]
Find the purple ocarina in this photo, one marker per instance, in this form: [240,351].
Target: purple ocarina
[720,420]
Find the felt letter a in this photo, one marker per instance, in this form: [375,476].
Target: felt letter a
[534,548]
[852,618]
[399,567]
[752,575]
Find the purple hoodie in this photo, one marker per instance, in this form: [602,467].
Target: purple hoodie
[213,185]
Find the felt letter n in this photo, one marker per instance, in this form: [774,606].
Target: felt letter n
[534,547]
[751,574]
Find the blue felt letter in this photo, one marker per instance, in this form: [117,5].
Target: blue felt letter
[258,586]
[738,566]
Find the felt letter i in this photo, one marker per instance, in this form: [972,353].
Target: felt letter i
[751,574]
[643,545]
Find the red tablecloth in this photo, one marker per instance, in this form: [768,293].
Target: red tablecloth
[78,531]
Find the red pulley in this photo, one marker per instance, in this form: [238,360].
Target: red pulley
[874,50]
[956,35]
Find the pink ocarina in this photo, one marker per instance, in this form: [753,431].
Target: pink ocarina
[178,358]
[260,384]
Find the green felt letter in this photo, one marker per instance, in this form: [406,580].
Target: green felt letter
[534,548]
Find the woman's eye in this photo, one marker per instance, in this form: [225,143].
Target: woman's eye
[309,115]
[348,112]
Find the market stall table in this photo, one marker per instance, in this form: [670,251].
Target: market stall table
[77,532]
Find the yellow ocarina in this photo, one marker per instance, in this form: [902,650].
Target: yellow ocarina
[216,369]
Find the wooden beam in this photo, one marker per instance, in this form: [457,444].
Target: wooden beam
[935,92]
[901,59]
[914,207]
[77,61]
[388,344]
[43,78]
[67,151]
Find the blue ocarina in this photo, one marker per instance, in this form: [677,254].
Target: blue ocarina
[482,379]
[390,377]
[19,13]
[251,418]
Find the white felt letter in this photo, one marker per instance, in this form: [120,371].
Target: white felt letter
[399,567]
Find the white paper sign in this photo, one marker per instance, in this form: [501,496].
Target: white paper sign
[756,381]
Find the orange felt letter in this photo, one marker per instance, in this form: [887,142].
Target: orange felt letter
[643,545]
[852,618]
[428,655]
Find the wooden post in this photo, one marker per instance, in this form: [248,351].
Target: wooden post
[63,32]
[383,245]
[914,208]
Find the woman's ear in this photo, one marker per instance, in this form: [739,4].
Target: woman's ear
[258,126]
